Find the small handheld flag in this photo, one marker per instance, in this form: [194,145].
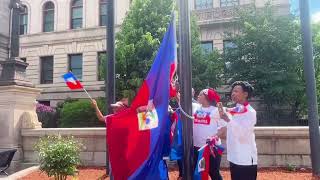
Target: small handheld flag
[202,167]
[73,83]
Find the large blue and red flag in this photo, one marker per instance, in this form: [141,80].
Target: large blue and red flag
[135,135]
[176,151]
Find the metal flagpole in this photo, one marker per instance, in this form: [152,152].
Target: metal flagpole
[110,66]
[313,117]
[185,75]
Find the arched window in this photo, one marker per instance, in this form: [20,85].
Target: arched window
[48,17]
[76,14]
[23,20]
[103,12]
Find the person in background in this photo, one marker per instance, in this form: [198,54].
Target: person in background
[193,100]
[241,144]
[207,124]
[118,106]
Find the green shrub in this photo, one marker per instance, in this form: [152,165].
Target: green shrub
[59,156]
[80,113]
[291,167]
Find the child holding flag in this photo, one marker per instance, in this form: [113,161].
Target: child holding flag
[206,124]
[241,144]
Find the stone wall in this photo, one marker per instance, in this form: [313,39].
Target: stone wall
[94,140]
[277,146]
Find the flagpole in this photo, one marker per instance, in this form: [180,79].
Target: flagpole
[186,101]
[87,93]
[110,69]
[313,116]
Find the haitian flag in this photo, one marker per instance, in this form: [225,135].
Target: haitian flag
[202,167]
[135,135]
[176,152]
[71,81]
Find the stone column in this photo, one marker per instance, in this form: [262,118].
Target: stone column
[17,110]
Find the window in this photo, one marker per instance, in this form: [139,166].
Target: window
[46,70]
[227,3]
[228,46]
[24,59]
[102,59]
[203,4]
[47,103]
[207,47]
[103,12]
[23,20]
[75,65]
[76,14]
[48,17]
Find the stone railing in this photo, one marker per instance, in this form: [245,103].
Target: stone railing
[277,146]
[217,15]
[94,140]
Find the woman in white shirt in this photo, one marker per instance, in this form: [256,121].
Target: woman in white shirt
[206,124]
[241,144]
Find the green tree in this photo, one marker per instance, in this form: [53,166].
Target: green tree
[268,54]
[207,67]
[138,41]
[302,99]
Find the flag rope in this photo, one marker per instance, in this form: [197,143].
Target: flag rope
[184,113]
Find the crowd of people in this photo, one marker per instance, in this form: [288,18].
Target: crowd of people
[212,122]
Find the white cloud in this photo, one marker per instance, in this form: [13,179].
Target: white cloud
[316,17]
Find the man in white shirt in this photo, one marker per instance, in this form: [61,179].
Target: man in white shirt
[241,145]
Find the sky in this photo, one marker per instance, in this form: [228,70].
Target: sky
[314,9]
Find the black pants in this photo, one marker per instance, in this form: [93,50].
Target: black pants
[239,172]
[214,171]
[180,167]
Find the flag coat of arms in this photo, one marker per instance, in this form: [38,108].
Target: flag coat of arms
[135,136]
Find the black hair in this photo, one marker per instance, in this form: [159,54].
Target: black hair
[246,87]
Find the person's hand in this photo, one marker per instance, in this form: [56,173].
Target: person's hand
[94,103]
[120,105]
[225,117]
[220,108]
[178,97]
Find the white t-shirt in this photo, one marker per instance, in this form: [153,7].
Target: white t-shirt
[241,144]
[205,124]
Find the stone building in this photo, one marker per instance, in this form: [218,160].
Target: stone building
[62,35]
[4,29]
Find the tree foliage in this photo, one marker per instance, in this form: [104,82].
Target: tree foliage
[268,54]
[138,41]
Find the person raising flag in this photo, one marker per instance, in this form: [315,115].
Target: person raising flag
[206,126]
[241,144]
[135,134]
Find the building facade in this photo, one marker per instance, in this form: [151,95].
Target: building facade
[58,36]
[4,29]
